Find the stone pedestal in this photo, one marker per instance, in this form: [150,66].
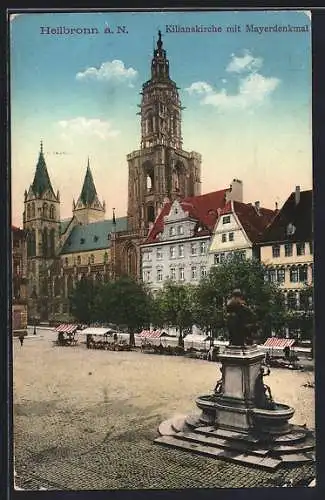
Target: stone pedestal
[241,367]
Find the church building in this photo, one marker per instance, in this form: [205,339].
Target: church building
[61,252]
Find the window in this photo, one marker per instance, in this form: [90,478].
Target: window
[311,247]
[78,260]
[146,276]
[159,253]
[172,273]
[92,259]
[288,249]
[219,257]
[105,257]
[193,248]
[203,271]
[300,248]
[172,231]
[223,237]
[181,273]
[66,261]
[291,300]
[181,251]
[294,274]
[280,275]
[240,254]
[159,275]
[172,252]
[193,273]
[180,230]
[272,275]
[203,247]
[226,219]
[302,273]
[276,251]
[231,236]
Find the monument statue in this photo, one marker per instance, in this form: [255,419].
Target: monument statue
[241,320]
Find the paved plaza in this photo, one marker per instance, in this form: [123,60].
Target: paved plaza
[86,419]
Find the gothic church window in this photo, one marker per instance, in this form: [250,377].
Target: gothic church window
[45,242]
[45,210]
[28,212]
[33,209]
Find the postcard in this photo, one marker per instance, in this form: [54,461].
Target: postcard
[162,263]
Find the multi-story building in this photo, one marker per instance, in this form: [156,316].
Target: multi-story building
[287,248]
[237,230]
[177,245]
[19,281]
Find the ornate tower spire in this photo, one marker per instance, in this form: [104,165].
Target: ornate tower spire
[160,106]
[88,207]
[41,182]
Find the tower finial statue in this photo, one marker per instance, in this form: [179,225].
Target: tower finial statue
[159,43]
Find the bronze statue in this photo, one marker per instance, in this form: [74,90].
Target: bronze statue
[241,320]
[263,395]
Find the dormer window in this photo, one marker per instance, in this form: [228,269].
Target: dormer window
[82,241]
[300,248]
[226,219]
[291,229]
[95,238]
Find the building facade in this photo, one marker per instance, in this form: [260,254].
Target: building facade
[238,229]
[177,245]
[287,247]
[19,281]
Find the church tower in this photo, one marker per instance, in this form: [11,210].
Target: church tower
[88,207]
[161,169]
[41,221]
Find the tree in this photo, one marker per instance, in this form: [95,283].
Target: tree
[83,301]
[125,302]
[250,276]
[173,306]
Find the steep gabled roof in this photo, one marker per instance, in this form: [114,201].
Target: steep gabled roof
[203,208]
[41,182]
[300,215]
[94,236]
[253,220]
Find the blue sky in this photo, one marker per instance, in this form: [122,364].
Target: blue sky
[247,98]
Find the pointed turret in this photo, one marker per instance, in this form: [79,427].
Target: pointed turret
[41,182]
[88,207]
[88,192]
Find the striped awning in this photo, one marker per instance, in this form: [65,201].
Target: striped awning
[154,334]
[278,343]
[66,328]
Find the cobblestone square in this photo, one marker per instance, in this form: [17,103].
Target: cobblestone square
[86,419]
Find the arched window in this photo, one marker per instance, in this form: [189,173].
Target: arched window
[52,242]
[69,285]
[28,212]
[52,212]
[45,242]
[33,209]
[45,210]
[57,287]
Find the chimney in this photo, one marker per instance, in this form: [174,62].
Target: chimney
[297,195]
[257,207]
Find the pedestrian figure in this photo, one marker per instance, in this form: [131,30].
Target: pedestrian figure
[21,339]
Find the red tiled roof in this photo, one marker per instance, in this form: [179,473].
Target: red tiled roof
[203,208]
[253,222]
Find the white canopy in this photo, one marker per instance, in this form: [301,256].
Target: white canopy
[96,331]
